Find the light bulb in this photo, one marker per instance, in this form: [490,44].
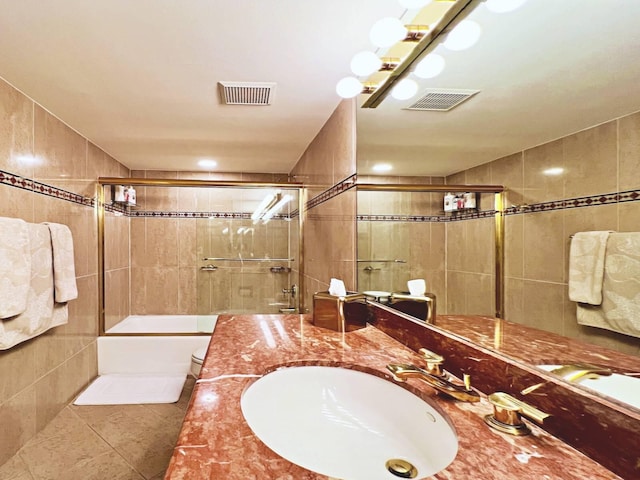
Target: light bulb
[382,167]
[364,64]
[503,6]
[207,163]
[430,66]
[387,31]
[463,36]
[404,89]
[409,4]
[348,87]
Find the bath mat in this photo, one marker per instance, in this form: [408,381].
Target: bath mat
[120,389]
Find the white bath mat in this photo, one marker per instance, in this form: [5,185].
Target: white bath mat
[120,389]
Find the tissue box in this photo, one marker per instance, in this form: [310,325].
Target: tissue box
[339,313]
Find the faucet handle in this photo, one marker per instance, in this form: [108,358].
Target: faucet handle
[434,361]
[507,412]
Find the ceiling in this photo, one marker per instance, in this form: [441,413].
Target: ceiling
[139,79]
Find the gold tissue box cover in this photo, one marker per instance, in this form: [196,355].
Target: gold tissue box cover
[339,313]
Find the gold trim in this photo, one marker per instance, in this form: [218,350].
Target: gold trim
[499,254]
[374,187]
[302,201]
[428,42]
[101,272]
[163,182]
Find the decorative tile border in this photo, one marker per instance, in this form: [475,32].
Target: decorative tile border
[427,218]
[23,183]
[578,202]
[346,184]
[196,215]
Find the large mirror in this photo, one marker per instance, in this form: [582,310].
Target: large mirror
[554,120]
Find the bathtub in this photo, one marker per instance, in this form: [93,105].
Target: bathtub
[140,353]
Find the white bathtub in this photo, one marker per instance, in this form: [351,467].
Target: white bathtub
[154,354]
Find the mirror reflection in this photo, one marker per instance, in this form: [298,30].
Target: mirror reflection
[555,121]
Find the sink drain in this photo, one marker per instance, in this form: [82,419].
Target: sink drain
[401,468]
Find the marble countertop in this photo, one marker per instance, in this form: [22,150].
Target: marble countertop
[215,442]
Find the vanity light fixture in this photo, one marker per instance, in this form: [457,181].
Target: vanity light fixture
[404,89]
[413,41]
[365,63]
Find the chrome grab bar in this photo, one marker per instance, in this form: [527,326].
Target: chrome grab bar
[213,259]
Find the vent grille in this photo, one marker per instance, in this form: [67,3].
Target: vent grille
[246,93]
[442,100]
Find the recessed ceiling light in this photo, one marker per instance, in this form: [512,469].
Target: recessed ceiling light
[382,167]
[207,163]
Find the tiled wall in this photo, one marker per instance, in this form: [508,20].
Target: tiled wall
[601,160]
[329,237]
[40,376]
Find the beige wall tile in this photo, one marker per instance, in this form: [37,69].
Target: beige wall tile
[187,291]
[17,369]
[18,420]
[64,151]
[514,245]
[82,328]
[629,217]
[629,152]
[16,132]
[479,252]
[480,299]
[544,245]
[514,299]
[17,203]
[591,161]
[544,305]
[456,293]
[540,186]
[509,172]
[456,243]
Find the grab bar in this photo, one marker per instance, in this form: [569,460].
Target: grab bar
[213,259]
[209,268]
[397,260]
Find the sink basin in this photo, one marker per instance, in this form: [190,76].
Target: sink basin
[347,424]
[620,387]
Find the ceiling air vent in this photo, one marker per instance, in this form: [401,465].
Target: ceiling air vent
[247,93]
[441,100]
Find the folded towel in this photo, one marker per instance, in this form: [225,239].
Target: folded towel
[586,267]
[64,272]
[620,309]
[417,286]
[38,315]
[15,266]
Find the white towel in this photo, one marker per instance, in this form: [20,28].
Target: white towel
[38,315]
[417,287]
[620,309]
[64,271]
[15,266]
[586,267]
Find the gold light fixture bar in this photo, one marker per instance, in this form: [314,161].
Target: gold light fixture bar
[427,41]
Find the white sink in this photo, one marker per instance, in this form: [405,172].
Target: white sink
[347,424]
[620,387]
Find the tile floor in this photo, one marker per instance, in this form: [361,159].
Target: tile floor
[102,442]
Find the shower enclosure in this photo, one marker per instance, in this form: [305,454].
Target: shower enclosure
[193,249]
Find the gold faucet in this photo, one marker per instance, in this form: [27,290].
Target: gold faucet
[464,393]
[575,372]
[507,413]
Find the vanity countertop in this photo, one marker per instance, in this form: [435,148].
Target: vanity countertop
[215,442]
